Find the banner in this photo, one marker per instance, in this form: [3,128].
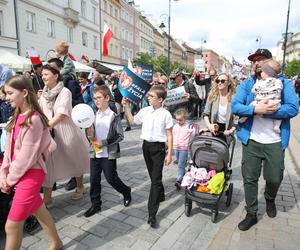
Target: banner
[175,96]
[145,71]
[132,87]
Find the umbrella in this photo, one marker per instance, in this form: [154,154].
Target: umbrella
[14,62]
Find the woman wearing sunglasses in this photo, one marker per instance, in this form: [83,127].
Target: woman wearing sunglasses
[217,114]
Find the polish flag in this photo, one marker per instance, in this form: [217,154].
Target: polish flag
[107,35]
[85,59]
[71,56]
[34,57]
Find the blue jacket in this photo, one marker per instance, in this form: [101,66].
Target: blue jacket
[288,109]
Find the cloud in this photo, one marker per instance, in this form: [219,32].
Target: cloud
[230,27]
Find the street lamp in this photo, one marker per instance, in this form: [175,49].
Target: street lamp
[202,41]
[286,36]
[258,40]
[162,25]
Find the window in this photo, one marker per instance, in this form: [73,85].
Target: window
[94,15]
[70,34]
[51,28]
[84,39]
[1,23]
[131,54]
[126,35]
[110,10]
[105,6]
[83,8]
[116,13]
[95,42]
[123,52]
[70,3]
[127,53]
[30,21]
[130,19]
[110,50]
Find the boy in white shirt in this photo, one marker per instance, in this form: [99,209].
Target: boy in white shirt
[157,126]
[105,138]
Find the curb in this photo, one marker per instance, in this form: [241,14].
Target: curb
[294,144]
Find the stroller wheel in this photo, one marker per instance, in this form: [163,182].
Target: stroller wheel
[188,207]
[214,214]
[229,194]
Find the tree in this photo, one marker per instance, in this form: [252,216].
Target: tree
[292,68]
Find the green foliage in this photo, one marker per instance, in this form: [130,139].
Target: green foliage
[160,63]
[292,68]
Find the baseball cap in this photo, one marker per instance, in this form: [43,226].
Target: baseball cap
[260,52]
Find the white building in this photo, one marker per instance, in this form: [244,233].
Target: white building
[43,23]
[8,29]
[292,48]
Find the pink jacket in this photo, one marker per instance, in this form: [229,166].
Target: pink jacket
[182,136]
[32,148]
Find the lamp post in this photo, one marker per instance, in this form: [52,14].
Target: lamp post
[162,25]
[286,36]
[258,40]
[202,41]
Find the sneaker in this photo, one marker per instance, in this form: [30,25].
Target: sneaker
[271,208]
[248,222]
[177,185]
[78,194]
[175,162]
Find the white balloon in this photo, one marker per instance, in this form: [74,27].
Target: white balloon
[83,115]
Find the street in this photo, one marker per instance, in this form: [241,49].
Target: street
[117,227]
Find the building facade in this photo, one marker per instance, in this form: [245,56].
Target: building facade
[76,22]
[129,31]
[8,28]
[292,48]
[146,35]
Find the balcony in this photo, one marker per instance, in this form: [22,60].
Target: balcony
[71,16]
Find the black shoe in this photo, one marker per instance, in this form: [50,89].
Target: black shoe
[54,186]
[92,210]
[177,185]
[152,221]
[30,224]
[248,222]
[271,208]
[127,199]
[162,198]
[175,162]
[71,184]
[127,128]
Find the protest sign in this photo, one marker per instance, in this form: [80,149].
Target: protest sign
[199,65]
[175,96]
[145,71]
[132,87]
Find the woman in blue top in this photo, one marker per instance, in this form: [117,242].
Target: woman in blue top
[85,88]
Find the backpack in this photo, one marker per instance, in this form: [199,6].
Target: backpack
[75,89]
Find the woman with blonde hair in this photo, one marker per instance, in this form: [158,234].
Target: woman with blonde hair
[217,113]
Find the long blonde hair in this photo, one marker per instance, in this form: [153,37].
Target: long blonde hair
[214,91]
[20,83]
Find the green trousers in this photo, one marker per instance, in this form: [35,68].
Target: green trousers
[270,157]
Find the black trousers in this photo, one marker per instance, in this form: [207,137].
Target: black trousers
[109,168]
[154,155]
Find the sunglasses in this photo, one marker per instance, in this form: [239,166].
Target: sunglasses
[221,81]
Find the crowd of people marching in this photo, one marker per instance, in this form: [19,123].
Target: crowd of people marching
[41,144]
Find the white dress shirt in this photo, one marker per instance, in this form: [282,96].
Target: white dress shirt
[155,123]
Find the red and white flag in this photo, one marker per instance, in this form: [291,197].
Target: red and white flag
[85,59]
[34,56]
[71,56]
[107,35]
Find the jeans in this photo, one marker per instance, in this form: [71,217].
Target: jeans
[181,156]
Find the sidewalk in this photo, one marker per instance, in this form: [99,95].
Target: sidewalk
[282,232]
[117,227]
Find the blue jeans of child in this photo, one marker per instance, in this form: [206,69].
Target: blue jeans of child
[181,156]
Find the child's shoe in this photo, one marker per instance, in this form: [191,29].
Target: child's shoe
[177,185]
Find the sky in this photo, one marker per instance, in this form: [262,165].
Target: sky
[230,27]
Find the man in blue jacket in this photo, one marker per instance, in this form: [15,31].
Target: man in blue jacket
[262,146]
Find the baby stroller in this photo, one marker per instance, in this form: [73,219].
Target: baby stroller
[207,151]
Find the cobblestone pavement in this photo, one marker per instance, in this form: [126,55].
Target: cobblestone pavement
[117,227]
